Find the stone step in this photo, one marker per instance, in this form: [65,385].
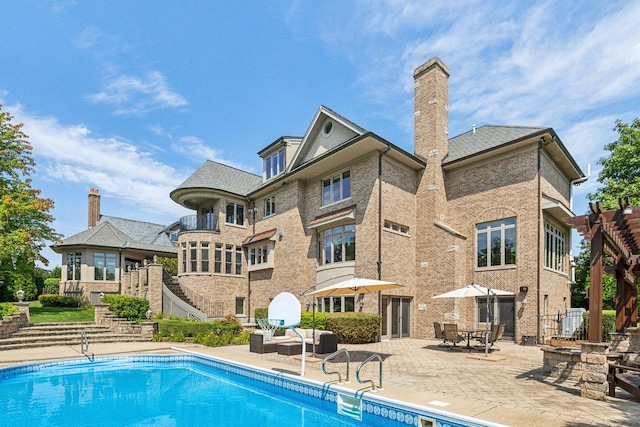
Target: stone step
[37,331]
[75,339]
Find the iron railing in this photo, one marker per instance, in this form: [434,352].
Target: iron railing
[198,222]
[563,328]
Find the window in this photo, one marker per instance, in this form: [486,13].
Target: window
[274,165]
[184,257]
[338,304]
[74,261]
[217,263]
[270,206]
[228,259]
[204,257]
[338,244]
[193,256]
[258,255]
[336,188]
[496,243]
[238,260]
[239,306]
[392,226]
[235,214]
[555,247]
[105,266]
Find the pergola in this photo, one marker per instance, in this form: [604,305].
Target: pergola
[616,235]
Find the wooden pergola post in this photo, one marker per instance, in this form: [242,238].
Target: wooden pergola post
[596,271]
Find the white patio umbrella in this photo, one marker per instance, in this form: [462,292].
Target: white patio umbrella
[477,290]
[348,287]
[355,286]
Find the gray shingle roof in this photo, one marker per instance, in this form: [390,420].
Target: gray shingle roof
[485,138]
[120,233]
[217,176]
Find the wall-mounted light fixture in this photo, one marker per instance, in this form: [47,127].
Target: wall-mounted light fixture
[524,289]
[280,234]
[524,302]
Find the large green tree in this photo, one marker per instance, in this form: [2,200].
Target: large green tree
[24,216]
[619,178]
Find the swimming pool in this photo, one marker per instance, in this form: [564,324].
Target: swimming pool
[194,390]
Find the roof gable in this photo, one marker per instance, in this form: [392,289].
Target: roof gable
[326,131]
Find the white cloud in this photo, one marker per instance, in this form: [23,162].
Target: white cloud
[196,149]
[70,154]
[134,95]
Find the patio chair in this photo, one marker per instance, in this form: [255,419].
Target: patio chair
[496,334]
[437,327]
[451,336]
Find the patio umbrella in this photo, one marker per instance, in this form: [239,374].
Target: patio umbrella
[355,286]
[476,290]
[348,287]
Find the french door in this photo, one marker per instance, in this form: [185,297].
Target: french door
[396,317]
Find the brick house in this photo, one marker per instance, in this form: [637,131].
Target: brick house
[340,201]
[101,258]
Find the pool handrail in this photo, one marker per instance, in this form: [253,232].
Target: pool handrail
[373,384]
[331,356]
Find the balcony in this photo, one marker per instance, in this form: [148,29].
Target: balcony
[198,222]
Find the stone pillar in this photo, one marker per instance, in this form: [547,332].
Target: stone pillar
[155,288]
[101,310]
[143,280]
[135,283]
[634,339]
[24,312]
[619,342]
[594,370]
[126,284]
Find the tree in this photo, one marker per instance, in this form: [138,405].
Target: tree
[619,178]
[24,215]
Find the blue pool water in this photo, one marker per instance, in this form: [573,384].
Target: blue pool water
[186,390]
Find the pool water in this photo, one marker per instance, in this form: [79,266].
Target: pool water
[185,390]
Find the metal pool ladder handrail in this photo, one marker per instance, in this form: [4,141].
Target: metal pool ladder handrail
[373,384]
[331,356]
[84,345]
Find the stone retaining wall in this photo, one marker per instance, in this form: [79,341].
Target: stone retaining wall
[104,316]
[562,363]
[10,324]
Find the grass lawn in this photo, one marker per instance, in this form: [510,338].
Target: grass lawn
[40,314]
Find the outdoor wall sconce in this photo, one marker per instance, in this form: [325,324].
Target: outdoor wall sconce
[20,295]
[524,302]
[524,289]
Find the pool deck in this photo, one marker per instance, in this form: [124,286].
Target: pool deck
[508,387]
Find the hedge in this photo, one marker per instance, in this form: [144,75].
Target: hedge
[608,323]
[59,301]
[354,328]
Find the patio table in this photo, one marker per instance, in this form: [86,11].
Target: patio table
[468,333]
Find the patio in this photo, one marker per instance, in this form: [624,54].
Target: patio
[512,391]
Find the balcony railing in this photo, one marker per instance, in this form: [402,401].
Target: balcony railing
[198,222]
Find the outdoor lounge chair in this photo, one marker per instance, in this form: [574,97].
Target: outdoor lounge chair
[451,336]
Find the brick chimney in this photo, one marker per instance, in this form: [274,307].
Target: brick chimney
[431,139]
[94,207]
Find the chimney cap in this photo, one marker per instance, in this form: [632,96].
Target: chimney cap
[433,62]
[94,191]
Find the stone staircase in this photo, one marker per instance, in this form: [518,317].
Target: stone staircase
[177,291]
[52,334]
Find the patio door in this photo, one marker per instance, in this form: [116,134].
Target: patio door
[501,310]
[396,317]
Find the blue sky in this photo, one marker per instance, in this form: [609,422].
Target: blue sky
[132,97]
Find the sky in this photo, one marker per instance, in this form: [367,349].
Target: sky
[131,97]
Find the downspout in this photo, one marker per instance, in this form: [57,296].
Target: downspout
[380,225]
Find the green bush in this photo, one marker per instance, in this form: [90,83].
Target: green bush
[354,328]
[126,306]
[51,285]
[608,323]
[169,328]
[227,338]
[306,320]
[260,313]
[59,301]
[7,309]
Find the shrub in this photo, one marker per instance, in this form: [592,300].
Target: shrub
[306,320]
[126,306]
[608,323]
[59,301]
[7,309]
[227,338]
[168,328]
[261,313]
[51,285]
[354,328]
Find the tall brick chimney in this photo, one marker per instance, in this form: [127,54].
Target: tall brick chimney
[94,207]
[431,120]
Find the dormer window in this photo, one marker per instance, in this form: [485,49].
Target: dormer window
[274,164]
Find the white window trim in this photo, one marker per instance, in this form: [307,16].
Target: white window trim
[268,263]
[331,177]
[502,228]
